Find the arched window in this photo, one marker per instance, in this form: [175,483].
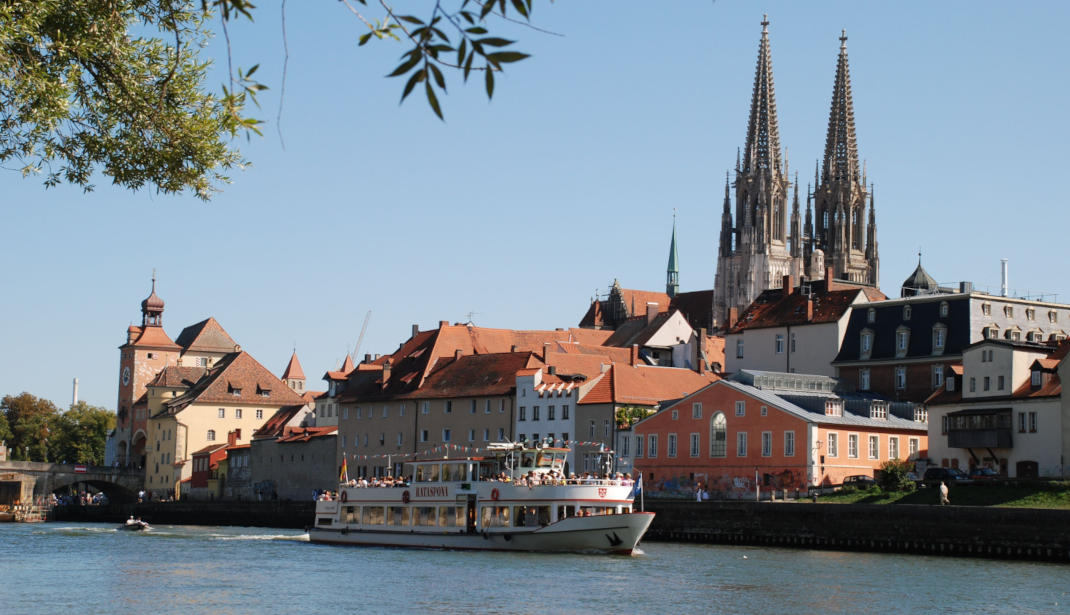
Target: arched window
[718,435]
[211,435]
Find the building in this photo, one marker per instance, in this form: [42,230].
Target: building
[901,348]
[757,246]
[291,456]
[1003,409]
[787,431]
[794,329]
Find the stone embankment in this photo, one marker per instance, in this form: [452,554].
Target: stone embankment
[965,531]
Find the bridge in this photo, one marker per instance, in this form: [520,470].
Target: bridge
[27,481]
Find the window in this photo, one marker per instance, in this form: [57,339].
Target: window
[424,436]
[237,413]
[778,345]
[1008,311]
[913,444]
[739,349]
[866,343]
[793,342]
[1014,334]
[1021,423]
[718,435]
[1035,378]
[360,412]
[401,438]
[765,410]
[1030,314]
[486,407]
[345,413]
[471,407]
[893,447]
[222,413]
[902,341]
[696,410]
[852,446]
[202,361]
[425,407]
[900,377]
[874,447]
[939,338]
[1053,316]
[386,412]
[564,412]
[741,408]
[590,430]
[943,309]
[523,414]
[789,443]
[833,445]
[694,445]
[991,332]
[446,435]
[672,445]
[471,435]
[906,312]
[211,435]
[501,433]
[1000,383]
[534,413]
[1032,422]
[675,414]
[638,446]
[741,444]
[449,407]
[652,445]
[605,427]
[871,315]
[623,445]
[863,379]
[767,444]
[987,383]
[522,437]
[938,376]
[986,309]
[550,412]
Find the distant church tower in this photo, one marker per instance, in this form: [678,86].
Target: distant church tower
[848,240]
[754,253]
[672,272]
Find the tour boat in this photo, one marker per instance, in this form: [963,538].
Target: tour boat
[515,498]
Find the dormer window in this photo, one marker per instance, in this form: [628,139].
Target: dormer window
[906,312]
[1030,314]
[991,332]
[902,341]
[1013,334]
[1008,311]
[1034,336]
[262,392]
[1053,316]
[944,308]
[233,390]
[866,343]
[949,384]
[871,315]
[1058,336]
[921,414]
[1035,379]
[878,410]
[833,407]
[939,338]
[986,309]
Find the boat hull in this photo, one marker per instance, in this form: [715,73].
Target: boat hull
[617,534]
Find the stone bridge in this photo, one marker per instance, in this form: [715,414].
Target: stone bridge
[27,481]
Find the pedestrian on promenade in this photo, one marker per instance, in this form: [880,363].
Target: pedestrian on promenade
[943,494]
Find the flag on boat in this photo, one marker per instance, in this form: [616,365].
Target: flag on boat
[637,488]
[343,476]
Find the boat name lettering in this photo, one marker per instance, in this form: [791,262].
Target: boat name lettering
[430,492]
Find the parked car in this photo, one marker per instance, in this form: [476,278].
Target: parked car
[983,474]
[934,476]
[859,481]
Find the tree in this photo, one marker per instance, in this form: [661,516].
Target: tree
[29,419]
[79,434]
[5,429]
[118,86]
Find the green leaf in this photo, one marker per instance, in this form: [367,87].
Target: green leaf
[433,100]
[461,51]
[507,56]
[490,82]
[439,79]
[411,19]
[494,41]
[476,30]
[521,8]
[364,38]
[407,65]
[417,77]
[468,65]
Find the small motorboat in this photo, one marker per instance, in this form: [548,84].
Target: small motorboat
[134,525]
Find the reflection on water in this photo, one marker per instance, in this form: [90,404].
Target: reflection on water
[64,568]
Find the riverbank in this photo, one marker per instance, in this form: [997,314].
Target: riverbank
[1015,494]
[965,531]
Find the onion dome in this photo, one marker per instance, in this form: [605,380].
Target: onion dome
[919,283]
[152,306]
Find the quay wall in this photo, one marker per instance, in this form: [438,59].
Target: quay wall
[963,531]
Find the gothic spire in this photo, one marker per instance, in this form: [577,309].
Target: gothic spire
[672,273]
[762,151]
[841,150]
[796,229]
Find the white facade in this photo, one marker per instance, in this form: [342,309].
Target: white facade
[545,410]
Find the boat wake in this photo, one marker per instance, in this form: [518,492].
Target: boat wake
[285,537]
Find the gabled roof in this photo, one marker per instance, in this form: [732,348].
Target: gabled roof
[206,336]
[645,385]
[304,434]
[152,337]
[237,378]
[293,369]
[772,308]
[637,331]
[476,375]
[211,448]
[177,377]
[341,372]
[276,425]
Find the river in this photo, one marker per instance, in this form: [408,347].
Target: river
[91,568]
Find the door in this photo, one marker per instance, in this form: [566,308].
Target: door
[470,514]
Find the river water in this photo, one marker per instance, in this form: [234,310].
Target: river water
[91,568]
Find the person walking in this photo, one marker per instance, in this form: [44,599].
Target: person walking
[943,494]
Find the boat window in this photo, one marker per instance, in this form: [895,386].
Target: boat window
[450,516]
[397,515]
[427,473]
[495,516]
[352,514]
[544,460]
[324,521]
[373,515]
[527,460]
[453,471]
[424,515]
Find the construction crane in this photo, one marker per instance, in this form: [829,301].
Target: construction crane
[360,340]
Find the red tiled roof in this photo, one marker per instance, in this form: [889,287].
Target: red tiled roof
[206,336]
[275,426]
[211,448]
[715,350]
[293,370]
[475,375]
[304,434]
[177,377]
[602,391]
[237,378]
[153,337]
[773,308]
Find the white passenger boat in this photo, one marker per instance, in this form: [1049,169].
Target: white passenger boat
[513,499]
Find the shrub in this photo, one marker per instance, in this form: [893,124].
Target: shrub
[893,476]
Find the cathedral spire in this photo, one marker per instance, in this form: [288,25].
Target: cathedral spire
[841,150]
[796,228]
[672,273]
[726,220]
[762,150]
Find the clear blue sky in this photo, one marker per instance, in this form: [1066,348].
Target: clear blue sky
[520,209]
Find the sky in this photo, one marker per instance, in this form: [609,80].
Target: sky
[515,212]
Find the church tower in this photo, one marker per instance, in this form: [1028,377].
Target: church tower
[843,233]
[754,253]
[672,272]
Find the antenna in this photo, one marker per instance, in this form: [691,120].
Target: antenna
[470,315]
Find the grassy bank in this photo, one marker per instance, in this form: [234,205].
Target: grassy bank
[1015,495]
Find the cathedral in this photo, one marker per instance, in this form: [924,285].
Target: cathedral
[760,242]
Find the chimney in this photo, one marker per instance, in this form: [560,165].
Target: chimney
[457,354]
[788,286]
[386,373]
[1003,271]
[635,354]
[829,277]
[809,309]
[733,316]
[74,396]
[966,287]
[551,369]
[651,312]
[367,358]
[545,350]
[233,437]
[442,324]
[415,330]
[512,348]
